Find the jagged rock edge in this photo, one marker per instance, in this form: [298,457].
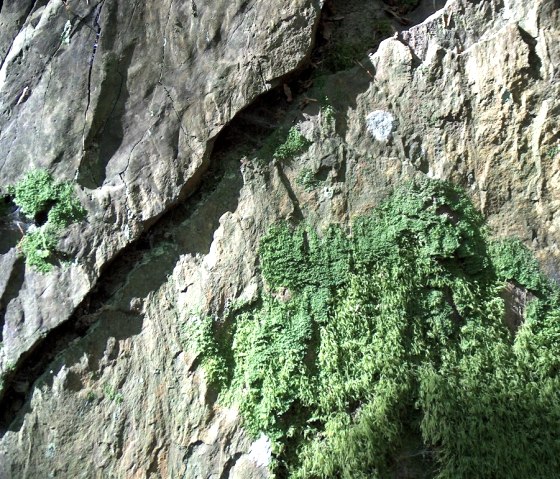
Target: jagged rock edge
[45,349]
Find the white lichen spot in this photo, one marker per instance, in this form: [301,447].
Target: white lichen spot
[381,125]
[261,451]
[50,450]
[65,37]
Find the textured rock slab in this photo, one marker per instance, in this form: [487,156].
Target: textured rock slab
[473,92]
[126,98]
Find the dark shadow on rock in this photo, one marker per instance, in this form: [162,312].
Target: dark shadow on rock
[11,291]
[105,133]
[13,224]
[53,354]
[9,237]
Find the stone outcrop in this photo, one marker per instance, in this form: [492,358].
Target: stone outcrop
[126,99]
[157,110]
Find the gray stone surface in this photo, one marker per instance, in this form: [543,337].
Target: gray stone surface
[474,91]
[128,107]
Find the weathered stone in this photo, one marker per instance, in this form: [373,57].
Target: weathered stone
[473,91]
[128,106]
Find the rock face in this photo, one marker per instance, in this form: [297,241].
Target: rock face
[126,99]
[159,112]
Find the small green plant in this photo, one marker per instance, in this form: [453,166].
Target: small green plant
[113,394]
[294,144]
[328,112]
[54,204]
[306,179]
[199,336]
[39,246]
[34,193]
[513,261]
[553,151]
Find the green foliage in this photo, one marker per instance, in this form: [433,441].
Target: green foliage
[112,394]
[38,247]
[512,260]
[66,209]
[34,193]
[396,329]
[328,112]
[552,151]
[306,179]
[269,351]
[200,335]
[38,194]
[283,144]
[299,259]
[294,144]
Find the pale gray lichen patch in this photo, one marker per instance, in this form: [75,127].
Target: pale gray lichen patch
[261,451]
[381,125]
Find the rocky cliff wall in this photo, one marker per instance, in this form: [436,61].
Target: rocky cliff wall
[161,112]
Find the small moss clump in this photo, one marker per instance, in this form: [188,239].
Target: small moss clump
[306,179]
[295,144]
[34,193]
[386,344]
[38,247]
[53,206]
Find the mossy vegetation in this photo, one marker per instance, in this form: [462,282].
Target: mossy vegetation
[307,180]
[39,246]
[294,144]
[283,144]
[391,331]
[52,206]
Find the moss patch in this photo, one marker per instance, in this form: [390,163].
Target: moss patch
[52,206]
[395,331]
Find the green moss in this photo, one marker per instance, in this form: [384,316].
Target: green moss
[306,179]
[200,334]
[328,113]
[552,151]
[112,394]
[294,144]
[38,194]
[364,339]
[283,144]
[39,248]
[34,192]
[513,261]
[66,208]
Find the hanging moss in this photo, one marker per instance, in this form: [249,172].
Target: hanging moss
[394,332]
